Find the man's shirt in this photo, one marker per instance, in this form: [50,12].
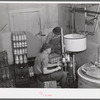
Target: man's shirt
[54,42]
[49,37]
[41,62]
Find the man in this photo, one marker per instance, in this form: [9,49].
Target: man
[54,39]
[44,70]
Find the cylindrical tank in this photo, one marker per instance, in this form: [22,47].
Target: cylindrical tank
[75,42]
[85,81]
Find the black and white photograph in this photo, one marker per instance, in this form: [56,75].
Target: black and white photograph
[50,45]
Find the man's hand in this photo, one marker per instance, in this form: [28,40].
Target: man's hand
[55,64]
[58,68]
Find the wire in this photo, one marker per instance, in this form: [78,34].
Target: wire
[3,27]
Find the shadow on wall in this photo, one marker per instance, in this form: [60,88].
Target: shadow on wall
[88,55]
[46,31]
[34,44]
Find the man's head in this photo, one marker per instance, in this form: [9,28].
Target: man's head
[57,30]
[46,47]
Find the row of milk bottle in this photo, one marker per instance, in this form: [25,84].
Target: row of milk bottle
[19,44]
[20,59]
[19,37]
[20,51]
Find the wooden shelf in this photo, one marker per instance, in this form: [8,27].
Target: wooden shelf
[20,60]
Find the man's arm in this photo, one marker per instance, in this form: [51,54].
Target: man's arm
[52,65]
[47,71]
[46,65]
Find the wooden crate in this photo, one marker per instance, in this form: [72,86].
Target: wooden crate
[50,84]
[47,84]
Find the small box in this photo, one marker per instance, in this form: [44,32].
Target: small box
[50,84]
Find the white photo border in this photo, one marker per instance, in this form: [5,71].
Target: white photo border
[33,93]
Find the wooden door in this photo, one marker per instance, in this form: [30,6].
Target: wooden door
[30,21]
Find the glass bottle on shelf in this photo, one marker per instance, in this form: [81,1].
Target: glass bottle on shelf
[19,44]
[21,59]
[16,59]
[15,52]
[16,37]
[25,44]
[20,51]
[19,37]
[14,45]
[22,36]
[25,37]
[25,59]
[22,44]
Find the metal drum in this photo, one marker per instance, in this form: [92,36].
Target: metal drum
[88,80]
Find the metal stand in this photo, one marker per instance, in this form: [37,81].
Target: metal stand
[74,65]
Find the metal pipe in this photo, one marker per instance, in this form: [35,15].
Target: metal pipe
[62,41]
[74,21]
[70,22]
[73,60]
[85,19]
[85,11]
